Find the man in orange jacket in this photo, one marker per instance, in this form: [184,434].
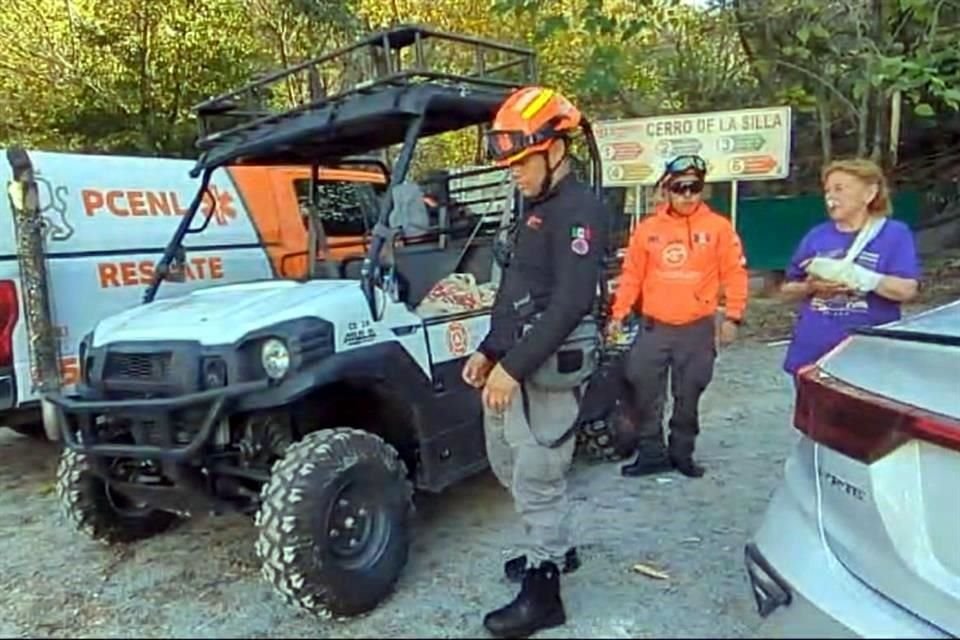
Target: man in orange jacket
[677,261]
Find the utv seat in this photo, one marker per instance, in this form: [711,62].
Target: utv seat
[420,262]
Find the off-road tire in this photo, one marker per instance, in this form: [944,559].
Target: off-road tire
[298,545]
[596,442]
[86,503]
[612,438]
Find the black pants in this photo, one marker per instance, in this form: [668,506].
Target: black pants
[688,352]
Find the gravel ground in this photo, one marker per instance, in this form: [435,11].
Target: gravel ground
[202,579]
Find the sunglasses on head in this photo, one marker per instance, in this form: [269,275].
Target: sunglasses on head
[687,187]
[683,164]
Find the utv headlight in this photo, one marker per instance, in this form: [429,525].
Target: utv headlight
[275,358]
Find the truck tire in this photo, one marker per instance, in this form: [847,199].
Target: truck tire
[334,522]
[86,501]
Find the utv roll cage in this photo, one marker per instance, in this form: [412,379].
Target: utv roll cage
[388,94]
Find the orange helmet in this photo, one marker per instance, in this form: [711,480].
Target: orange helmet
[529,121]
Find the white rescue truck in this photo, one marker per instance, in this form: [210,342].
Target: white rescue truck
[105,222]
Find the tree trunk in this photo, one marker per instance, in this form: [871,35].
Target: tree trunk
[896,102]
[876,154]
[144,80]
[824,117]
[863,123]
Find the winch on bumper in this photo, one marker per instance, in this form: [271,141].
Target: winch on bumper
[171,397]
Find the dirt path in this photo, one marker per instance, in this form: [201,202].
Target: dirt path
[202,580]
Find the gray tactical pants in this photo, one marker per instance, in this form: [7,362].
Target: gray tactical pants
[536,474]
[688,353]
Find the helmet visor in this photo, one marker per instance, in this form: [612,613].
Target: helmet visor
[504,144]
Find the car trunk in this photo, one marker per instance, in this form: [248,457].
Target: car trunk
[885,406]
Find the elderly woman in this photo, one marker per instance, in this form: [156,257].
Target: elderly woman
[839,291]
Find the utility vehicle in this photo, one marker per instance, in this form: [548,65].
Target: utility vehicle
[315,404]
[104,221]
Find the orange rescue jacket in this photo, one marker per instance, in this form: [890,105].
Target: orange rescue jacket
[675,266]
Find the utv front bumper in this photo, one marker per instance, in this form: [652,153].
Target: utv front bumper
[77,421]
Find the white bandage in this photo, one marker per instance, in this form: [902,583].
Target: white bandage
[827,269]
[849,274]
[864,279]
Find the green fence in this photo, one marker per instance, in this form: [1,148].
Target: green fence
[771,227]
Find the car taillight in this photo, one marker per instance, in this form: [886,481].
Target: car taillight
[861,425]
[9,314]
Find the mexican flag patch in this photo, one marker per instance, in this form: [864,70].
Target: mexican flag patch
[580,239]
[580,231]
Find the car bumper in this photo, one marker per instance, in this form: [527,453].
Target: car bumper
[803,591]
[73,416]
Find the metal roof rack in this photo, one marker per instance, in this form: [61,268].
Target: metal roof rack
[362,97]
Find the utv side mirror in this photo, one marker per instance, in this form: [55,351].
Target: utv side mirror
[177,271]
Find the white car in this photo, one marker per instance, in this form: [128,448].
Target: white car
[862,538]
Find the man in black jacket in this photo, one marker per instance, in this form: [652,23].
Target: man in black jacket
[531,385]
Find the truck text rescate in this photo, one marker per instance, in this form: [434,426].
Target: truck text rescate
[140,273]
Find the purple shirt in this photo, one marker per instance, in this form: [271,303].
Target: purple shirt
[824,322]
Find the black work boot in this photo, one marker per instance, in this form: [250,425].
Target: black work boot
[537,606]
[681,456]
[685,465]
[514,568]
[647,464]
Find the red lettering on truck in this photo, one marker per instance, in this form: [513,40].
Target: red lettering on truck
[139,203]
[131,273]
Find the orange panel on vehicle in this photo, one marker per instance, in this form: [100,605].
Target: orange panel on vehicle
[271,200]
[265,210]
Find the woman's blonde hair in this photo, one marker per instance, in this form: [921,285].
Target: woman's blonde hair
[867,172]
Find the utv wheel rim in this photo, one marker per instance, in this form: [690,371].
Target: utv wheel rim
[356,528]
[120,503]
[124,506]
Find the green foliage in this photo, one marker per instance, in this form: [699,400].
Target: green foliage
[121,77]
[855,60]
[117,77]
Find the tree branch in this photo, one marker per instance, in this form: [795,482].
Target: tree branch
[813,76]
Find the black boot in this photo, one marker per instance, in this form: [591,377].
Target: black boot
[514,568]
[537,606]
[646,464]
[686,466]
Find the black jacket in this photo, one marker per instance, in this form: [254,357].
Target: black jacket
[555,268]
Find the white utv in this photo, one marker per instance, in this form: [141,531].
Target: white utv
[316,405]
